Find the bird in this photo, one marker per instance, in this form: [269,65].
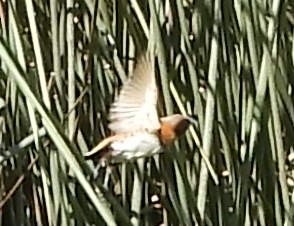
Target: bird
[136,128]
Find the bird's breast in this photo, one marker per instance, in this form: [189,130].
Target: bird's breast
[141,144]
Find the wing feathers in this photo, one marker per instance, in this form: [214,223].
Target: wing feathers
[135,107]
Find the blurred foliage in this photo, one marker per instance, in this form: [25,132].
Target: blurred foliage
[230,63]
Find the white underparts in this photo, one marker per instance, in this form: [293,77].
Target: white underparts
[141,144]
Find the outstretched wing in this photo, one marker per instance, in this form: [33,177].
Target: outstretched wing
[135,107]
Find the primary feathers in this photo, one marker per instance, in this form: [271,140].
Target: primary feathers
[135,107]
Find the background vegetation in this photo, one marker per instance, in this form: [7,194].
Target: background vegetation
[228,62]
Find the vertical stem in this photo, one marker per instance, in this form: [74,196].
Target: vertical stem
[161,58]
[37,51]
[55,45]
[209,111]
[70,68]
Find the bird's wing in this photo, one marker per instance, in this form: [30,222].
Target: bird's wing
[135,107]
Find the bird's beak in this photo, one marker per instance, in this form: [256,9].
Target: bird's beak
[192,120]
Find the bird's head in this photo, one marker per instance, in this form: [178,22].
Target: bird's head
[173,126]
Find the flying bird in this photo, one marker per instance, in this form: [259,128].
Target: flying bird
[137,130]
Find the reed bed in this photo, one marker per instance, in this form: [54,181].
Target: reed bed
[229,64]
